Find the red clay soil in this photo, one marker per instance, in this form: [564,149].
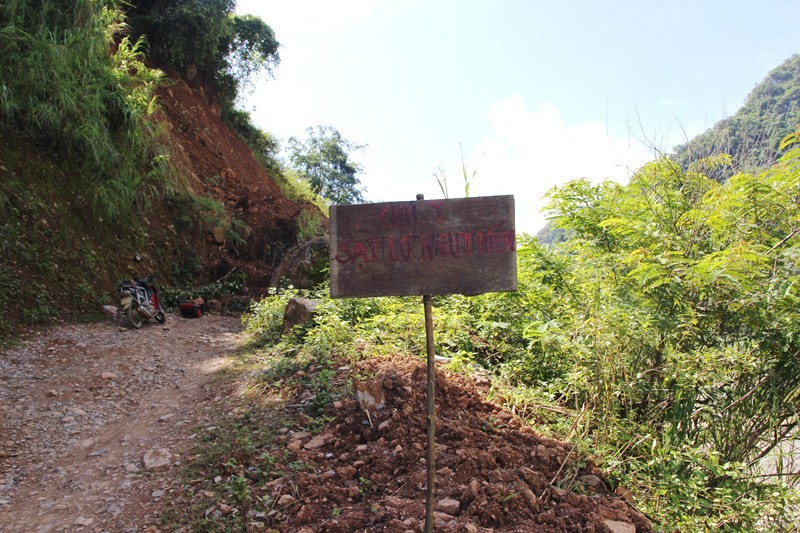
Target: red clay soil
[218,164]
[498,474]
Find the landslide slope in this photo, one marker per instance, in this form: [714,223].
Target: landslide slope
[58,257]
[219,165]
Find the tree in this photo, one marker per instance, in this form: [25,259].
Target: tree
[324,161]
[205,38]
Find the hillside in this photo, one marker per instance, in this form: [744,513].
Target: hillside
[114,164]
[752,135]
[221,166]
[180,240]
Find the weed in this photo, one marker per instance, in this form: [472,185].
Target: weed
[364,485]
[310,225]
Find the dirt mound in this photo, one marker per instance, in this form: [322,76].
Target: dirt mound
[493,471]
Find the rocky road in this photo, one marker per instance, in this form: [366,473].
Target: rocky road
[94,417]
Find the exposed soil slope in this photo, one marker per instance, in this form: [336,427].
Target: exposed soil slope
[218,164]
[51,239]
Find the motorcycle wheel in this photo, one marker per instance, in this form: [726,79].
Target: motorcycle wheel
[134,316]
[160,317]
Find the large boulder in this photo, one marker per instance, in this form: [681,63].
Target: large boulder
[298,311]
[303,266]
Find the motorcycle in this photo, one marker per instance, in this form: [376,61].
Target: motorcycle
[138,302]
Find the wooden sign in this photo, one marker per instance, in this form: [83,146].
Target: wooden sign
[455,246]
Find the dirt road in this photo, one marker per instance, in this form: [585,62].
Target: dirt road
[94,417]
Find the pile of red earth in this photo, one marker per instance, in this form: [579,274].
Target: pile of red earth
[493,473]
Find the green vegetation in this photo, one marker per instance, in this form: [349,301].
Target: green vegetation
[662,338]
[205,39]
[324,161]
[86,161]
[63,89]
[753,134]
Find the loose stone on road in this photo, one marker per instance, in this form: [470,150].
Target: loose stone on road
[93,417]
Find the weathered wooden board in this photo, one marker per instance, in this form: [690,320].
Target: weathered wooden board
[456,246]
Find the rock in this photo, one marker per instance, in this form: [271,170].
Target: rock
[619,527]
[369,394]
[157,494]
[214,306]
[215,236]
[449,506]
[591,481]
[156,458]
[319,441]
[83,521]
[298,311]
[303,265]
[108,376]
[286,499]
[471,528]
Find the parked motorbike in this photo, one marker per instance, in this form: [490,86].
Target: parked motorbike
[138,302]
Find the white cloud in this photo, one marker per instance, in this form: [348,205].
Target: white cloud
[530,151]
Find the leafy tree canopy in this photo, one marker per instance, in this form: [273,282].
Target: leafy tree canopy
[206,38]
[323,160]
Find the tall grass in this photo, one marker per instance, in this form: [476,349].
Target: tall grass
[74,84]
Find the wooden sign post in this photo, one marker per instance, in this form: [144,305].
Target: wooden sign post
[426,247]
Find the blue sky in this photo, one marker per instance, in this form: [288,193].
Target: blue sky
[536,93]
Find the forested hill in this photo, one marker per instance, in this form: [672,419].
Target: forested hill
[751,137]
[753,134]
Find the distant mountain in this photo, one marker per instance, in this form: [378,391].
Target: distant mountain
[752,135]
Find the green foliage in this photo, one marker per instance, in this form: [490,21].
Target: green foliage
[266,148]
[753,134]
[663,337]
[310,225]
[205,38]
[323,160]
[72,85]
